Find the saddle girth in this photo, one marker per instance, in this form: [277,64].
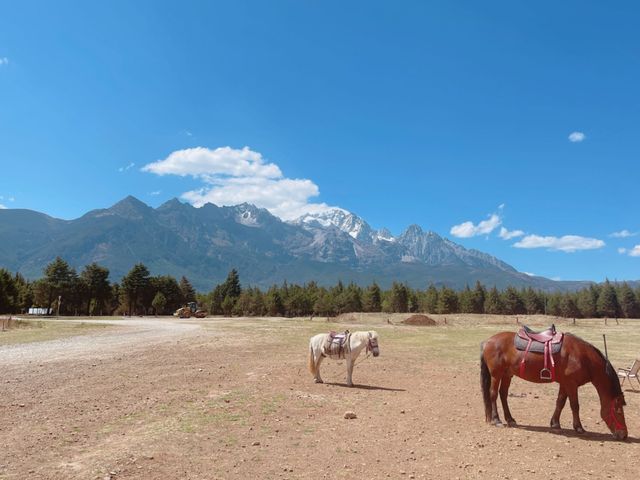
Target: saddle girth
[547,342]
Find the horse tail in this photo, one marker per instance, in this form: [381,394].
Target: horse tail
[485,382]
[312,360]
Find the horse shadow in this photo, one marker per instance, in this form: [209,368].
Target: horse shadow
[365,387]
[587,436]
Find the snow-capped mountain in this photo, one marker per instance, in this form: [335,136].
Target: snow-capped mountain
[205,243]
[343,220]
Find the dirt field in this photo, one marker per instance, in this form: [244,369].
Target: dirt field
[233,399]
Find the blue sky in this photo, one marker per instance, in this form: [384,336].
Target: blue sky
[442,113]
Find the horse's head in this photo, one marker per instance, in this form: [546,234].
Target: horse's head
[614,417]
[372,343]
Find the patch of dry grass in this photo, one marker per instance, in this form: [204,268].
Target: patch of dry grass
[27,331]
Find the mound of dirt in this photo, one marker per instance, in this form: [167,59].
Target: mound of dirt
[420,320]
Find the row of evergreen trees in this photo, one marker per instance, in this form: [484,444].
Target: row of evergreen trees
[606,300]
[91,293]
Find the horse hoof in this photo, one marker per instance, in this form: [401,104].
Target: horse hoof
[318,380]
[579,430]
[497,423]
[555,426]
[349,384]
[512,423]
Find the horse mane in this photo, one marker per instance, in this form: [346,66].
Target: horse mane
[614,381]
[616,388]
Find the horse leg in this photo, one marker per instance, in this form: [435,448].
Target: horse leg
[560,403]
[495,418]
[575,408]
[318,359]
[349,370]
[504,393]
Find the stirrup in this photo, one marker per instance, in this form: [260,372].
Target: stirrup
[545,374]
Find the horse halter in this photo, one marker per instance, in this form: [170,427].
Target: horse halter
[371,343]
[612,420]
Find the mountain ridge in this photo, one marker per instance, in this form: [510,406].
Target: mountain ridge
[205,243]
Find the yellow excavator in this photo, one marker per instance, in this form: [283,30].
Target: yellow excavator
[190,310]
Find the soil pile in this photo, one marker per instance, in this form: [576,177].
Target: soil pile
[420,320]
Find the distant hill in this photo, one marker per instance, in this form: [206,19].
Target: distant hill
[205,243]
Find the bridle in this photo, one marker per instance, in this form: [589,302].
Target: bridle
[371,343]
[612,420]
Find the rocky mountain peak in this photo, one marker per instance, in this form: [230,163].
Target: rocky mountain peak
[341,219]
[131,208]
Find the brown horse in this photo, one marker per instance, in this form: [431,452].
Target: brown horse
[577,363]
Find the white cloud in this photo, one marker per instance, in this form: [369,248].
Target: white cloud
[577,137]
[157,192]
[566,243]
[2,207]
[530,274]
[468,229]
[635,251]
[128,167]
[234,176]
[508,235]
[4,61]
[623,234]
[622,251]
[212,164]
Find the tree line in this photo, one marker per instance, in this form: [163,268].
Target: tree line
[91,293]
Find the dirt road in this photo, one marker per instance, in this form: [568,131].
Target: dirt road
[232,399]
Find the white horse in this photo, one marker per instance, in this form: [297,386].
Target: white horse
[354,343]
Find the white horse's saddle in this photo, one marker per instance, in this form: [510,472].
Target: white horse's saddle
[336,345]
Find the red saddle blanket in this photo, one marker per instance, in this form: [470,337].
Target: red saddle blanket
[548,342]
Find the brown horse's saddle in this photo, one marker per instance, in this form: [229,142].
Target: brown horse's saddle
[336,344]
[538,339]
[548,342]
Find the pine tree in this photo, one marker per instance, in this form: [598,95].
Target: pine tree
[187,291]
[533,303]
[95,279]
[608,301]
[587,301]
[512,303]
[273,303]
[8,292]
[493,302]
[159,303]
[372,299]
[60,281]
[465,300]
[447,301]
[569,306]
[134,286]
[479,297]
[430,300]
[399,299]
[232,285]
[628,302]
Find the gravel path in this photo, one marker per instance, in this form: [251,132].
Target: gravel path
[130,334]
